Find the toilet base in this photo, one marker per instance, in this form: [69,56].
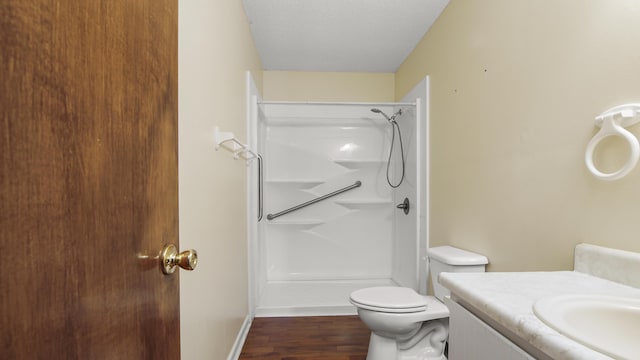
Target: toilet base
[381,348]
[428,344]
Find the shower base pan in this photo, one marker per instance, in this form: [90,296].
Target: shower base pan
[312,298]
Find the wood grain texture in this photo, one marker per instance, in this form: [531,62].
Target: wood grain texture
[307,338]
[88,179]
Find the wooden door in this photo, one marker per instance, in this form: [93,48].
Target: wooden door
[88,179]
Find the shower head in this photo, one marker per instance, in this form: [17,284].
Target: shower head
[390,119]
[378,111]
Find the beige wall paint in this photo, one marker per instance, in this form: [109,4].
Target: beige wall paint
[215,50]
[515,87]
[328,86]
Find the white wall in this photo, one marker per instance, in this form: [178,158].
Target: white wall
[215,49]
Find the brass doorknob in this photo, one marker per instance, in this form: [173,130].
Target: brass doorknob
[170,258]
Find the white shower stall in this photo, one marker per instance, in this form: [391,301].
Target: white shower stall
[306,260]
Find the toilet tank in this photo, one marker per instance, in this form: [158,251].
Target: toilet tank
[451,259]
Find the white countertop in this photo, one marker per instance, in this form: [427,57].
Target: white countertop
[508,298]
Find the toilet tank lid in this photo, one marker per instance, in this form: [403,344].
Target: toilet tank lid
[454,256]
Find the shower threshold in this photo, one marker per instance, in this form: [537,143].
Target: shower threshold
[312,298]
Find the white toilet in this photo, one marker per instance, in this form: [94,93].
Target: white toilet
[406,325]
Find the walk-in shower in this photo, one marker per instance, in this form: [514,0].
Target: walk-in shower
[331,222]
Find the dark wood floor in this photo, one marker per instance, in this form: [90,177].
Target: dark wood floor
[308,338]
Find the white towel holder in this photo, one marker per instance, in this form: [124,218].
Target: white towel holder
[613,123]
[228,141]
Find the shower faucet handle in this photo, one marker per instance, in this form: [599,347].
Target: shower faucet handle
[405,206]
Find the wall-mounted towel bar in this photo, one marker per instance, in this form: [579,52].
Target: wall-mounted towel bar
[229,142]
[313,201]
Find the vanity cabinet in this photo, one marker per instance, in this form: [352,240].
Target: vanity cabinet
[472,338]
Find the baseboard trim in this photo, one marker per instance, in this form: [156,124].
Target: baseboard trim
[234,354]
[306,311]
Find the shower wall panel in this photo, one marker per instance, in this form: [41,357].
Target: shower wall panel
[312,150]
[411,232]
[405,229]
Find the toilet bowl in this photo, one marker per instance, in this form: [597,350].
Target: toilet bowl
[406,325]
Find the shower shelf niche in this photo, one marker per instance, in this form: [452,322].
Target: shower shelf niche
[313,182]
[356,164]
[363,202]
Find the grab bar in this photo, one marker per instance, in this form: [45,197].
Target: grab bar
[260,181]
[320,198]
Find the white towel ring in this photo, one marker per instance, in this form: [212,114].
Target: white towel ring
[612,123]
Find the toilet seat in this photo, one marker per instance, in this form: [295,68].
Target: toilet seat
[389,299]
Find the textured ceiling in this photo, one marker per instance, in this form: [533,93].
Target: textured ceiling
[339,35]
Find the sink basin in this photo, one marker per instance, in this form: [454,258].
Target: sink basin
[610,325]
